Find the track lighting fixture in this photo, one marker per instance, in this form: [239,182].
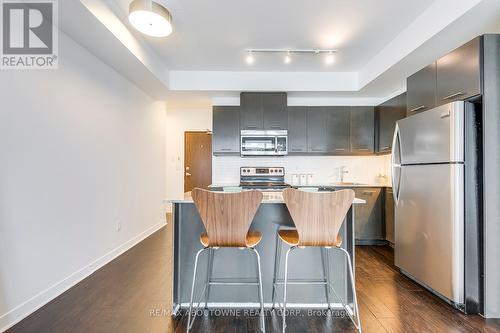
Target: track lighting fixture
[329,59]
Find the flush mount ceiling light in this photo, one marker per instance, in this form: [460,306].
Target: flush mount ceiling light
[329,59]
[150,18]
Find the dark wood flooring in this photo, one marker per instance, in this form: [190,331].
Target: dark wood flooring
[131,294]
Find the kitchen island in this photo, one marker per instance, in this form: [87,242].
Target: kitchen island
[241,264]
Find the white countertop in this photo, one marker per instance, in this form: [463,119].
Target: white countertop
[323,184]
[268,197]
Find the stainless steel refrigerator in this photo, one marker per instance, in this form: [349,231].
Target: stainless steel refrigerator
[428,185]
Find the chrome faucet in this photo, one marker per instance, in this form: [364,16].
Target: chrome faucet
[343,171]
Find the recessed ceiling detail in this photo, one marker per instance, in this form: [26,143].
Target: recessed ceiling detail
[378,49]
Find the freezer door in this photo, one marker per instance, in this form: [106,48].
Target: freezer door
[429,227]
[434,136]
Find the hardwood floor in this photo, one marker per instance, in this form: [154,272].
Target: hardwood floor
[131,294]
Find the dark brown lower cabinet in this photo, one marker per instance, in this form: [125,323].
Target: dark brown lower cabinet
[389,215]
[369,224]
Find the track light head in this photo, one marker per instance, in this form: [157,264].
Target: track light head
[249,58]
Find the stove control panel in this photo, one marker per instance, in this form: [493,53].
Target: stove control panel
[259,171]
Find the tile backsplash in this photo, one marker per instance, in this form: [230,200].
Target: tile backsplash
[324,169]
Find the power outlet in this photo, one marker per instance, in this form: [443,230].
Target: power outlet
[118,225]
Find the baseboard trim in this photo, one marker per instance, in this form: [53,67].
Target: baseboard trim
[23,310]
[371,242]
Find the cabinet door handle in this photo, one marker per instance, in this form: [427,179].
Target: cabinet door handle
[276,127]
[362,149]
[339,149]
[418,108]
[453,95]
[251,127]
[297,149]
[369,192]
[226,149]
[385,148]
[317,149]
[445,115]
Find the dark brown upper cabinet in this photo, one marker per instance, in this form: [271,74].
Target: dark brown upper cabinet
[328,130]
[459,73]
[317,129]
[297,129]
[274,106]
[263,111]
[251,112]
[421,90]
[338,119]
[226,130]
[362,131]
[386,116]
[455,76]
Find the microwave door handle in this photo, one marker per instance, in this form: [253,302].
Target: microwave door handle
[276,144]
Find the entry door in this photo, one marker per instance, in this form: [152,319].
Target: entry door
[197,160]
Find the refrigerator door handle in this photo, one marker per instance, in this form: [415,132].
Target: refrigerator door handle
[396,164]
[396,183]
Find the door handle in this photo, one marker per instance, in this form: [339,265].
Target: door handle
[445,115]
[418,108]
[453,95]
[188,174]
[396,143]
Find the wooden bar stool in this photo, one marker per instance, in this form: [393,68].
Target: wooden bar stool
[227,218]
[318,217]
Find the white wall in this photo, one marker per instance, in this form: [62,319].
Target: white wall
[324,169]
[179,120]
[81,149]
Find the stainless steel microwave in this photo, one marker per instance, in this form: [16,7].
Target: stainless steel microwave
[264,143]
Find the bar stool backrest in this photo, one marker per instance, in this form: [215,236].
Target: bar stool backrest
[318,216]
[226,216]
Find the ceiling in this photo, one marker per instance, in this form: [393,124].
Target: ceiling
[213,35]
[380,43]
